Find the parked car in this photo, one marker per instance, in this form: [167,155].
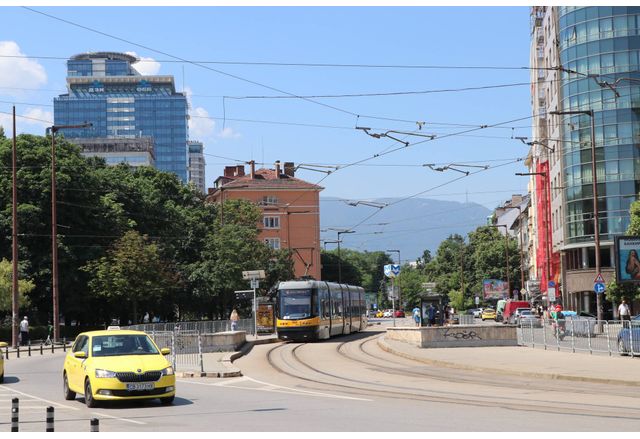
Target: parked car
[528,319]
[380,314]
[388,313]
[579,326]
[475,312]
[399,314]
[514,318]
[630,332]
[488,314]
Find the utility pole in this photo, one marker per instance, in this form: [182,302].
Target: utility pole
[15,307]
[54,227]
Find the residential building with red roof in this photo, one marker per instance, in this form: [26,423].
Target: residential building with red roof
[290,209]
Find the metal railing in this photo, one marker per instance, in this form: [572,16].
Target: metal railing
[186,341]
[582,335]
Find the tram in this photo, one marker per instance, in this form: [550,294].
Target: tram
[309,310]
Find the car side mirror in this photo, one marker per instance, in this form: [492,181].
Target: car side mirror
[165,351]
[80,354]
[3,344]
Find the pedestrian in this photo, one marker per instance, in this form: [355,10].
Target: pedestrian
[431,314]
[24,331]
[416,315]
[623,311]
[145,319]
[234,317]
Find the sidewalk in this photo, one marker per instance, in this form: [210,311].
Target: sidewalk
[525,361]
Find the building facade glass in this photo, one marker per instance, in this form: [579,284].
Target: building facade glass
[104,89]
[603,42]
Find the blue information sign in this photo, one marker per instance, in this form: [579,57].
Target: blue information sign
[598,288]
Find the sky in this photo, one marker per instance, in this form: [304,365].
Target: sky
[254,100]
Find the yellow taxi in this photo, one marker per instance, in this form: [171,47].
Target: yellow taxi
[380,314]
[2,345]
[117,365]
[488,314]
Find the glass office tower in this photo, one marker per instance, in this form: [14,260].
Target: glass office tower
[603,41]
[105,89]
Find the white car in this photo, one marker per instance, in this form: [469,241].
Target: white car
[388,313]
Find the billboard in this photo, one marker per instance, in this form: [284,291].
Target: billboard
[494,289]
[627,249]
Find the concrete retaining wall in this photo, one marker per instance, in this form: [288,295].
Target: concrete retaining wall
[455,336]
[223,341]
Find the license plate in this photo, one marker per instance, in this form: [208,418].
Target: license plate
[140,386]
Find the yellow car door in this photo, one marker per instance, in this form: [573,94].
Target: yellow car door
[75,366]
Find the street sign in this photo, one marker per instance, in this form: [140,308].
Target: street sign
[428,285]
[552,284]
[477,301]
[255,283]
[244,294]
[391,270]
[599,288]
[551,294]
[253,274]
[599,279]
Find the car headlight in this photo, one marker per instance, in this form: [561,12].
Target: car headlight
[167,371]
[101,373]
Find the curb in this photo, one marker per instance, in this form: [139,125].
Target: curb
[553,376]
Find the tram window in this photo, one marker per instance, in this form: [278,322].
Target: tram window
[295,304]
[325,307]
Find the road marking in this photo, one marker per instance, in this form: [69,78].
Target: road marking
[119,419]
[276,389]
[39,399]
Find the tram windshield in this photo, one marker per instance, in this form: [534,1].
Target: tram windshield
[295,304]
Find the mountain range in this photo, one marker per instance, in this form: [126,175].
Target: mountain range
[410,226]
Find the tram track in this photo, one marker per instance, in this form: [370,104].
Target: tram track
[460,376]
[295,366]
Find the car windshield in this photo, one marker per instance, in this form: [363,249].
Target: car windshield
[130,344]
[526,313]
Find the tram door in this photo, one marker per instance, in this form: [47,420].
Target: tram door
[324,311]
[337,309]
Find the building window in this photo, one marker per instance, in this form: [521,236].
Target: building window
[269,200]
[274,243]
[271,222]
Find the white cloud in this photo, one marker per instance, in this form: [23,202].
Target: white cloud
[200,127]
[18,73]
[146,66]
[229,133]
[33,121]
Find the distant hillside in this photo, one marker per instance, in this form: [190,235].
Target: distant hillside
[413,225]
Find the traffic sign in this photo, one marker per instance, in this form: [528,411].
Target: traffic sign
[552,284]
[477,301]
[551,294]
[599,288]
[391,270]
[253,274]
[599,279]
[255,283]
[244,294]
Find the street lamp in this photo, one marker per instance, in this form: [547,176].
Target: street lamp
[54,226]
[594,181]
[341,232]
[547,204]
[506,251]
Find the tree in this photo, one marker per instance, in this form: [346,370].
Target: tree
[6,287]
[132,272]
[410,283]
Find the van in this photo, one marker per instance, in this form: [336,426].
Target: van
[510,308]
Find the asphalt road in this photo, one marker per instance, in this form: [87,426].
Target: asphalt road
[344,384]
